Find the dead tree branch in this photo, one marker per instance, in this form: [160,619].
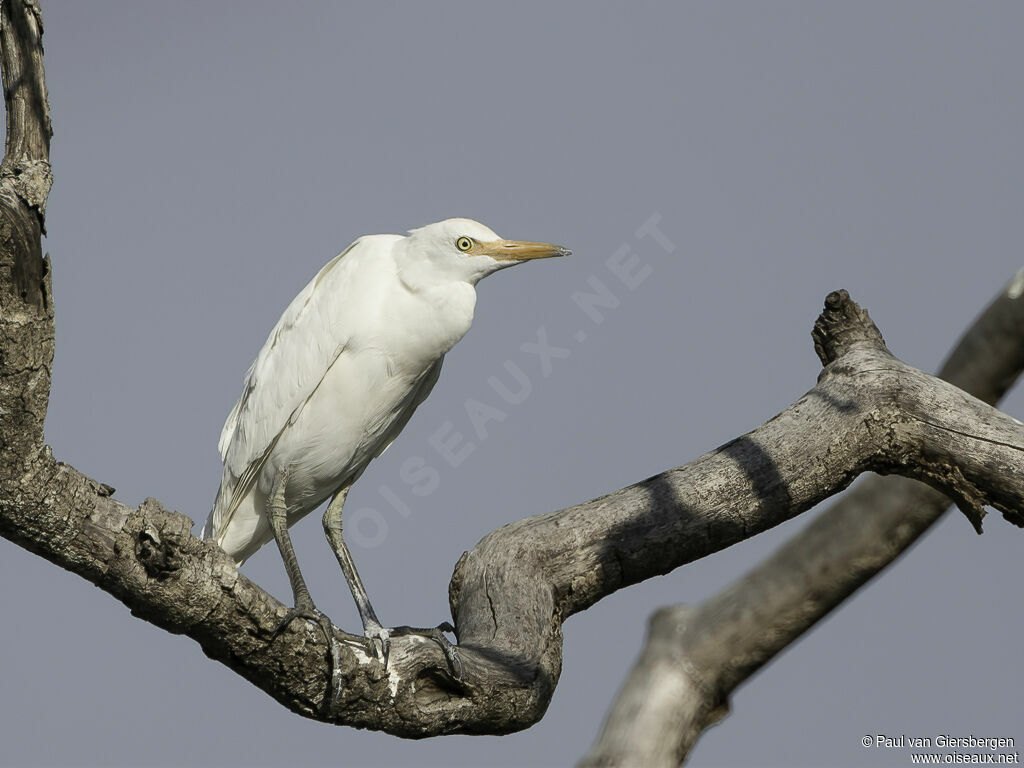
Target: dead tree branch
[695,656]
[26,314]
[511,593]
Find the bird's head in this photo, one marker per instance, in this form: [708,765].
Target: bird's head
[468,250]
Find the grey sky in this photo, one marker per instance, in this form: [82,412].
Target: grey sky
[210,157]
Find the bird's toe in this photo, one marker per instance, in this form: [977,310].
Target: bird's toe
[450,650]
[375,633]
[308,614]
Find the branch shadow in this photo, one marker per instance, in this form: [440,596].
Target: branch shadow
[649,544]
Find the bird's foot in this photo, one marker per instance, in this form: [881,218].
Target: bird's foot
[376,633]
[450,650]
[307,610]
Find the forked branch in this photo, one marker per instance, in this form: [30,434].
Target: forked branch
[695,656]
[510,594]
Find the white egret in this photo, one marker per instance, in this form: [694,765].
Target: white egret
[343,370]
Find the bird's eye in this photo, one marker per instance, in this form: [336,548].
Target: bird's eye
[463,243]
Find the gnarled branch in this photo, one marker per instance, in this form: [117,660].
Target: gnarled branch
[695,656]
[511,593]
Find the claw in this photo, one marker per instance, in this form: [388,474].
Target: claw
[373,631]
[450,651]
[312,614]
[309,614]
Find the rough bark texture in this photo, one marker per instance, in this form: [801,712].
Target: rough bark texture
[695,656]
[26,309]
[510,595]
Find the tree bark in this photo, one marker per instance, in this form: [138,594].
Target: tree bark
[511,593]
[695,656]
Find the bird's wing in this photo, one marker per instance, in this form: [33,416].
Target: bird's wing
[418,395]
[300,350]
[299,320]
[427,383]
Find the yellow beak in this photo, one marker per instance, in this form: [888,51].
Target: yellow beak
[520,250]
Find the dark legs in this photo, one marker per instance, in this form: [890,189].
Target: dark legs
[372,628]
[304,607]
[332,527]
[279,523]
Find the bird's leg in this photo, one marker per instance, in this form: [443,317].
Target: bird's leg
[372,628]
[303,603]
[279,524]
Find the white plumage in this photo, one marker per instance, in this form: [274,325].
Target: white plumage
[343,370]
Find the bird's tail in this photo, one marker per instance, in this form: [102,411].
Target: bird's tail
[241,534]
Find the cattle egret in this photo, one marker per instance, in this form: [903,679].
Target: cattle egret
[343,370]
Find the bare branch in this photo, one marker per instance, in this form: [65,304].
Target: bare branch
[25,172]
[696,656]
[26,322]
[512,592]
